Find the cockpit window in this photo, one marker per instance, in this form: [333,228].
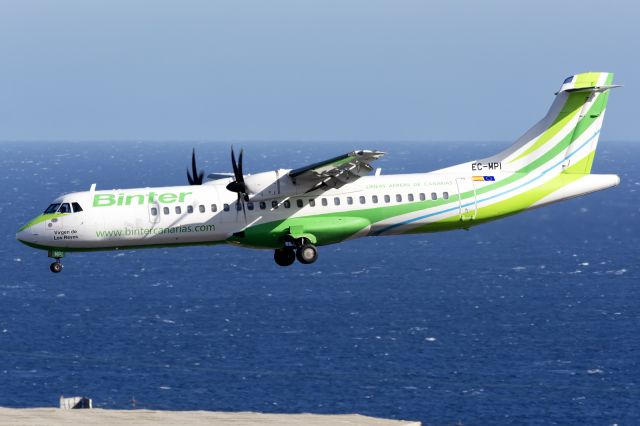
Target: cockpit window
[52,208]
[65,208]
[76,207]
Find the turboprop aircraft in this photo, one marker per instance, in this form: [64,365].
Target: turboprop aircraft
[295,211]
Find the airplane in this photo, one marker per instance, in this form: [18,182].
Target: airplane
[295,211]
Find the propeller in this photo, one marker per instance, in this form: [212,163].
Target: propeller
[194,177]
[237,185]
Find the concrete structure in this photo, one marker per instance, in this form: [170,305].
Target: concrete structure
[95,417]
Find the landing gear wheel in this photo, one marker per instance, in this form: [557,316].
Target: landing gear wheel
[56,267]
[307,253]
[284,256]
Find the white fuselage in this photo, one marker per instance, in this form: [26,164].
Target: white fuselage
[208,213]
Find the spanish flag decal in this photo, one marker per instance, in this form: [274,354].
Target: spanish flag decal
[483,178]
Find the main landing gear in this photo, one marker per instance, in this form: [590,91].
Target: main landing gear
[304,251]
[284,256]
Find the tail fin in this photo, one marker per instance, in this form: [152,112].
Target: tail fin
[565,139]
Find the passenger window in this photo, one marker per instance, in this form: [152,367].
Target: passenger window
[287,204]
[165,210]
[189,209]
[410,197]
[362,199]
[154,211]
[76,207]
[214,208]
[178,210]
[65,208]
[52,208]
[324,202]
[263,205]
[349,200]
[225,207]
[398,198]
[312,202]
[250,205]
[336,201]
[422,196]
[299,203]
[387,199]
[201,208]
[445,195]
[434,196]
[238,206]
[374,198]
[274,204]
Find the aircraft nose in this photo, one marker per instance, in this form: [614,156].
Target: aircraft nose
[24,235]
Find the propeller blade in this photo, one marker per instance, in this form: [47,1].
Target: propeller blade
[240,177]
[238,184]
[194,177]
[234,164]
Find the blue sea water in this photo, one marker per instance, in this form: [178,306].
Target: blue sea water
[533,319]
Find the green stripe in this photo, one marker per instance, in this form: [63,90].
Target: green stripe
[508,207]
[587,79]
[118,247]
[378,214]
[570,109]
[585,122]
[41,218]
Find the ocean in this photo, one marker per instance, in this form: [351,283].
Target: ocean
[533,319]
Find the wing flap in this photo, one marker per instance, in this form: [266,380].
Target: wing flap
[353,164]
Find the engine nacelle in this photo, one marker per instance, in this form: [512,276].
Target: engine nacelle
[276,183]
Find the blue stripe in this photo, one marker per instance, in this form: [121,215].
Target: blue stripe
[388,228]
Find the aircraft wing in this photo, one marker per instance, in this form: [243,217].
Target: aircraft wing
[337,170]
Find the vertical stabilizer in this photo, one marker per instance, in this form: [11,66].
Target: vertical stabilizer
[566,138]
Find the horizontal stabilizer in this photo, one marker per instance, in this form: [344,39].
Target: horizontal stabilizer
[594,88]
[586,184]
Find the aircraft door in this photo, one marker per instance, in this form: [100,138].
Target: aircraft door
[468,206]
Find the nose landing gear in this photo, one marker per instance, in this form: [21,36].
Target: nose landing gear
[56,267]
